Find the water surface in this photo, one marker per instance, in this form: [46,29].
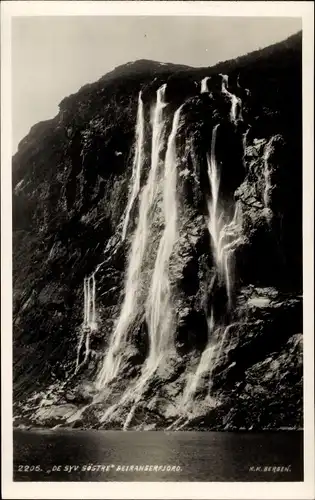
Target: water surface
[173,456]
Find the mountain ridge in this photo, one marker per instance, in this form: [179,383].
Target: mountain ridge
[292,42]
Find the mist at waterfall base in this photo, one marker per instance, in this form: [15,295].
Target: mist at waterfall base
[169,456]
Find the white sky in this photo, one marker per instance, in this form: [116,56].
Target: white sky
[53,57]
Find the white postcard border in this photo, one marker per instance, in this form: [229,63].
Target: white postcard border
[168,490]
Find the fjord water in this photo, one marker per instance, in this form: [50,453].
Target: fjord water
[190,456]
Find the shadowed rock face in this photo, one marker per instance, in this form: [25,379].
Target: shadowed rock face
[71,181]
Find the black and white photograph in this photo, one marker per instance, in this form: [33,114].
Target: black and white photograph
[156,171]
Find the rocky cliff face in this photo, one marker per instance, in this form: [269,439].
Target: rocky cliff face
[72,178]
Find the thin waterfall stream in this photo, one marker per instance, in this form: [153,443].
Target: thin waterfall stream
[89,318]
[137,164]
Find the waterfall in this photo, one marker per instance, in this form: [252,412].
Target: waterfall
[93,325]
[204,366]
[268,186]
[267,192]
[89,303]
[158,306]
[214,181]
[236,103]
[218,336]
[230,238]
[159,310]
[224,235]
[204,85]
[85,313]
[137,164]
[131,307]
[81,339]
[89,317]
[147,294]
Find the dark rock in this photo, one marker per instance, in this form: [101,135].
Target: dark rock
[71,180]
